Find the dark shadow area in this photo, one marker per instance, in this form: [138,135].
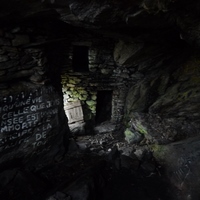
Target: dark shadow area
[104,106]
[80,59]
[93,169]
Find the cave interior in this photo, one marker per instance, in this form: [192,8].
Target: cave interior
[99,100]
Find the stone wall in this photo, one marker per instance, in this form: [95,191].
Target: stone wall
[103,75]
[32,120]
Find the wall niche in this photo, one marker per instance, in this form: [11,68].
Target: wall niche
[80,58]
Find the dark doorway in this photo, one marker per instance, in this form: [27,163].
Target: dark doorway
[104,106]
[80,58]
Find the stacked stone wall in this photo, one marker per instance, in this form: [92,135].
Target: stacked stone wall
[101,76]
[32,119]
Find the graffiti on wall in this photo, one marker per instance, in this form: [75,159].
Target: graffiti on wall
[27,117]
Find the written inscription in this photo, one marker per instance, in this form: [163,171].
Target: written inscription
[27,117]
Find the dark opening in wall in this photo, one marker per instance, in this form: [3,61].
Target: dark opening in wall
[104,106]
[80,58]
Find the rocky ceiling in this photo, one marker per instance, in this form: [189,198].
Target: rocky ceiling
[177,17]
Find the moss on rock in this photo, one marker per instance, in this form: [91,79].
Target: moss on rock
[132,136]
[91,103]
[159,151]
[141,129]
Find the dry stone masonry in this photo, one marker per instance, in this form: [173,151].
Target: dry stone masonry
[31,111]
[102,75]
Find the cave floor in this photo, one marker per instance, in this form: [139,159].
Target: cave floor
[103,167]
[96,167]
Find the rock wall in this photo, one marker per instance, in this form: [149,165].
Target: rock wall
[166,103]
[33,124]
[161,110]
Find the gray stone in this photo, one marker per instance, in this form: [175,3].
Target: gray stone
[132,136]
[93,69]
[3,58]
[36,78]
[2,73]
[8,64]
[10,49]
[26,66]
[59,196]
[105,127]
[20,40]
[2,51]
[124,75]
[124,51]
[41,71]
[106,71]
[9,35]
[26,59]
[137,75]
[16,29]
[77,128]
[42,62]
[140,152]
[83,145]
[35,50]
[5,42]
[13,56]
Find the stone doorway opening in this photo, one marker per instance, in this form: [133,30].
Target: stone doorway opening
[104,106]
